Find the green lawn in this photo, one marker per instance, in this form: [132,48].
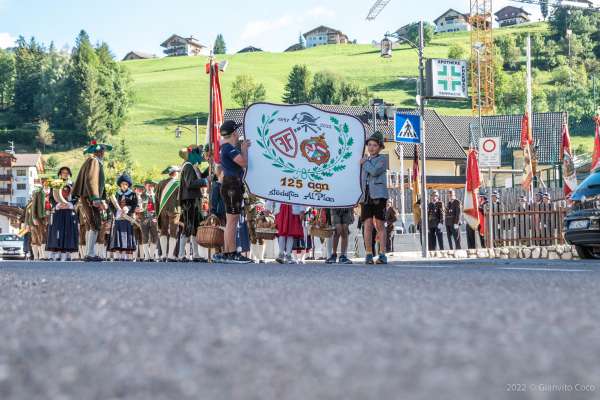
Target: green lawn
[172,91]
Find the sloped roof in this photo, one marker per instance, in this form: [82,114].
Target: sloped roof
[440,144]
[506,12]
[325,28]
[140,54]
[28,160]
[190,40]
[547,133]
[435,21]
[250,49]
[295,47]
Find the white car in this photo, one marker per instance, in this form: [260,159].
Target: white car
[11,246]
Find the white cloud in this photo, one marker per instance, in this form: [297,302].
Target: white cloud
[256,29]
[6,40]
[320,11]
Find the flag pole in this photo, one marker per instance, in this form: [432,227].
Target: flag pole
[530,111]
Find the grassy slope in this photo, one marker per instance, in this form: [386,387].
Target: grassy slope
[171,91]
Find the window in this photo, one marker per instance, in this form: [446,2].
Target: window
[21,186]
[21,172]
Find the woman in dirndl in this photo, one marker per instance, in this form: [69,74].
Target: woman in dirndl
[124,203]
[304,245]
[63,231]
[288,220]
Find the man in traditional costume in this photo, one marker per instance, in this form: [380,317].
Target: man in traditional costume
[190,196]
[168,212]
[89,188]
[139,191]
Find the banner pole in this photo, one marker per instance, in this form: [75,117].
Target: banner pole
[424,227]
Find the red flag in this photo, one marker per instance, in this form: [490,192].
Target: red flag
[216,116]
[566,156]
[471,207]
[596,153]
[526,136]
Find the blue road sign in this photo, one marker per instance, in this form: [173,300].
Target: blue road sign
[408,128]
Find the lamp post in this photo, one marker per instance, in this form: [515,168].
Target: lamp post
[178,131]
[386,52]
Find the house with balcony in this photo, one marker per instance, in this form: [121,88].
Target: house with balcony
[177,45]
[452,21]
[322,35]
[19,173]
[510,15]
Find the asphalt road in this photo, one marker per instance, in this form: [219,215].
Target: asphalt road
[470,330]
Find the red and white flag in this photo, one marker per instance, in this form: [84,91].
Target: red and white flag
[416,182]
[471,207]
[526,141]
[566,155]
[596,153]
[216,116]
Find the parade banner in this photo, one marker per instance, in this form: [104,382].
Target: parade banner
[303,155]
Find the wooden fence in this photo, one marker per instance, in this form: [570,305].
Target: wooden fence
[532,225]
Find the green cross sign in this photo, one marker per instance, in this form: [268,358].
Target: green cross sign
[452,79]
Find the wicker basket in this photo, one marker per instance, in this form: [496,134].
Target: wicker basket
[324,232]
[266,233]
[210,234]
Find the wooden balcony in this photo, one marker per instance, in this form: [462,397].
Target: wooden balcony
[6,178]
[5,191]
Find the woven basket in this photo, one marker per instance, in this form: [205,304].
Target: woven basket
[324,232]
[266,233]
[210,234]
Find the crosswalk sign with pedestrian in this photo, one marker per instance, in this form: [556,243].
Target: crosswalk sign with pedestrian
[408,128]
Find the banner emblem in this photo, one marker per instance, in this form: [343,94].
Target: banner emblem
[316,150]
[285,142]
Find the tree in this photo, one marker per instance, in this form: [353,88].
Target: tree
[219,47]
[28,78]
[7,78]
[297,88]
[457,52]
[413,33]
[44,137]
[511,53]
[246,91]
[351,94]
[324,88]
[121,155]
[301,41]
[544,8]
[51,163]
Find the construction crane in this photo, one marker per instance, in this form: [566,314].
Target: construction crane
[376,9]
[482,57]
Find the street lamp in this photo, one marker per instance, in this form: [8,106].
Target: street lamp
[386,47]
[178,131]
[421,102]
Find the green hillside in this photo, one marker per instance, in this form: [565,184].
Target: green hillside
[172,91]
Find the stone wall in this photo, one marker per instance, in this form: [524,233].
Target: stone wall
[565,252]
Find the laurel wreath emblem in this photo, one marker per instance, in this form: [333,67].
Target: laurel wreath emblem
[316,173]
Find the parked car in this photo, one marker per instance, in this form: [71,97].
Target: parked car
[11,246]
[582,223]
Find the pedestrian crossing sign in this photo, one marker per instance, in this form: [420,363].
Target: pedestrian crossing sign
[407,128]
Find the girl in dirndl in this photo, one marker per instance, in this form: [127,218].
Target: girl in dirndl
[288,221]
[63,231]
[304,245]
[122,238]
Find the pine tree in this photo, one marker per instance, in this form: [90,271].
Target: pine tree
[219,47]
[7,78]
[297,87]
[301,41]
[29,58]
[544,8]
[121,155]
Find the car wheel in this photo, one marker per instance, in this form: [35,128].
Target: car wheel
[585,253]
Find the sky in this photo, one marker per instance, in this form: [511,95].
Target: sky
[272,25]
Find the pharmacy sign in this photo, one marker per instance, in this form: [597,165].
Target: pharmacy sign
[447,79]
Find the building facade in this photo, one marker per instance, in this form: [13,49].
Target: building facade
[137,55]
[19,173]
[510,15]
[324,35]
[452,21]
[177,45]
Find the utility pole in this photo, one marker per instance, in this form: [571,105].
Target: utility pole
[424,227]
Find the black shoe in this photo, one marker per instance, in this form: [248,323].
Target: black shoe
[172,260]
[218,257]
[200,260]
[280,260]
[332,259]
[237,258]
[344,260]
[91,259]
